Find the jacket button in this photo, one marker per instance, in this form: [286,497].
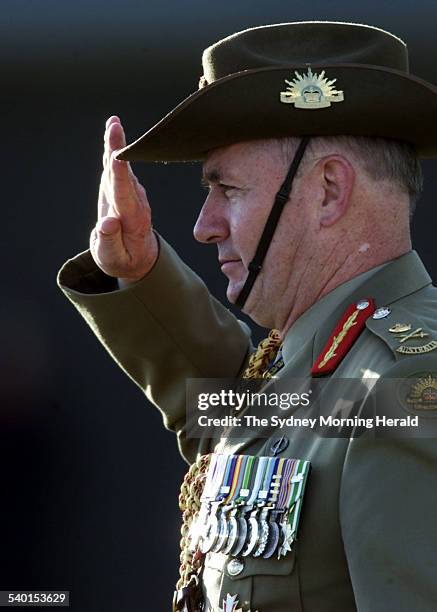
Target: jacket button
[235,567]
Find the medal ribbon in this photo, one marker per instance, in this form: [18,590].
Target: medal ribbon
[285,485]
[229,475]
[268,476]
[261,469]
[212,471]
[276,483]
[215,482]
[301,472]
[238,477]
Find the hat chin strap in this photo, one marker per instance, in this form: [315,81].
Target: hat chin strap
[271,223]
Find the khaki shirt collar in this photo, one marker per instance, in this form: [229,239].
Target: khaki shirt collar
[385,283]
[305,327]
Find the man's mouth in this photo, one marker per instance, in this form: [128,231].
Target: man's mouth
[228,264]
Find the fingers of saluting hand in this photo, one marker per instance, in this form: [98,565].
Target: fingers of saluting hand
[120,175]
[120,193]
[108,149]
[121,178]
[122,243]
[105,191]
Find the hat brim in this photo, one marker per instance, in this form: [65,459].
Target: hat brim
[246,106]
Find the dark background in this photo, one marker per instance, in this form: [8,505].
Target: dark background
[90,478]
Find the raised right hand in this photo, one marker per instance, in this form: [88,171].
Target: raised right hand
[122,243]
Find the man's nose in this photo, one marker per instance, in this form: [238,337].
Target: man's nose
[211,225]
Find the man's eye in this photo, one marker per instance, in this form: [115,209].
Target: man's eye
[228,189]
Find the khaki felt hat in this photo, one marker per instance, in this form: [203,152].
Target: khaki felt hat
[312,78]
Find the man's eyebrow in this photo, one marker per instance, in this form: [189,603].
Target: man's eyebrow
[211,176]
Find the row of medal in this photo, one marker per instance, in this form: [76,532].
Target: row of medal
[250,505]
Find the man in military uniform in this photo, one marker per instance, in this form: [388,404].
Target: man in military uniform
[308,133]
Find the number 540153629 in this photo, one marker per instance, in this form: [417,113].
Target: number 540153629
[34,598]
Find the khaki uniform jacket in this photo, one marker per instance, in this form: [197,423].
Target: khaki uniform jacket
[368,528]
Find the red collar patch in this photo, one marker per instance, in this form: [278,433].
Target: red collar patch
[344,335]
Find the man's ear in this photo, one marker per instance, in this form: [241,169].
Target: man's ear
[338,178]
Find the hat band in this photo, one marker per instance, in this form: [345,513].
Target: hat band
[269,229]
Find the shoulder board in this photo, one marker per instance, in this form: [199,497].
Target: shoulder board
[402,331]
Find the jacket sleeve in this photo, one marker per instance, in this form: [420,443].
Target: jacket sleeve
[388,496]
[160,331]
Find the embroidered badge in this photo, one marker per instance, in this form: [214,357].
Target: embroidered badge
[423,393]
[347,331]
[311,91]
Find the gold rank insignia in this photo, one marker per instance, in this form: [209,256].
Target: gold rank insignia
[417,333]
[404,333]
[400,328]
[311,91]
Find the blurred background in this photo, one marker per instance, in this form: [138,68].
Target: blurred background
[90,479]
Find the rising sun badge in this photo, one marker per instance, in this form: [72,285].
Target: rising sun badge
[311,91]
[423,393]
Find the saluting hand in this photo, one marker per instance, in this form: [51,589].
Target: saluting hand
[122,243]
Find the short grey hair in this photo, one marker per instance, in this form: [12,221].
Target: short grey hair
[382,159]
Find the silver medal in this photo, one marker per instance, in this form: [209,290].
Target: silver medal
[223,531]
[273,539]
[241,537]
[211,534]
[262,538]
[252,536]
[232,534]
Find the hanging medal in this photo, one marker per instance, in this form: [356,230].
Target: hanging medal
[212,486]
[235,502]
[254,526]
[227,504]
[268,527]
[290,521]
[211,531]
[249,484]
[266,508]
[248,507]
[276,514]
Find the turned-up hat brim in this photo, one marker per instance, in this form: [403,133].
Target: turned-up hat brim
[246,106]
[377,100]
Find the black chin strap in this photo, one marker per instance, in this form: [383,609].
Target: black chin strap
[271,223]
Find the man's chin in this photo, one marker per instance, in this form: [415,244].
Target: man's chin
[251,306]
[233,291]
